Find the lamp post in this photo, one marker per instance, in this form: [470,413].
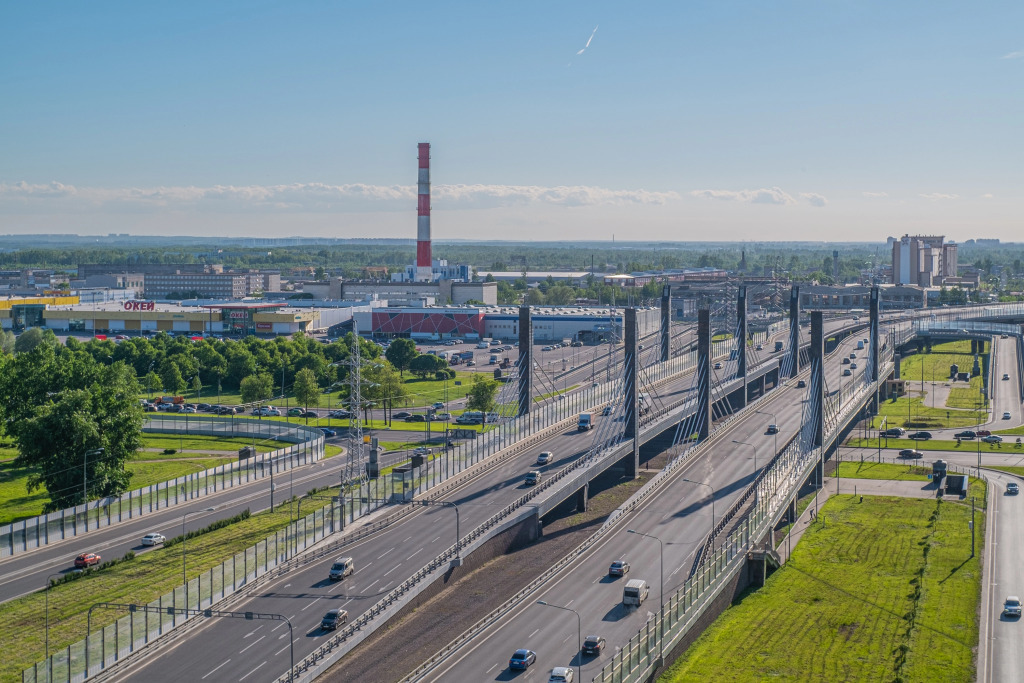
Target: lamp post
[47,615]
[85,458]
[579,636]
[184,577]
[713,494]
[754,448]
[775,422]
[661,589]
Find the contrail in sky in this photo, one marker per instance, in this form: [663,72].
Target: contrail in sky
[588,42]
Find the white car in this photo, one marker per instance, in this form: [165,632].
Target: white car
[1011,608]
[545,457]
[561,674]
[1006,416]
[153,539]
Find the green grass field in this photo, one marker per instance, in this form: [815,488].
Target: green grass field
[143,579]
[883,590]
[211,443]
[874,470]
[970,446]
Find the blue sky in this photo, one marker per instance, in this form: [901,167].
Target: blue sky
[686,121]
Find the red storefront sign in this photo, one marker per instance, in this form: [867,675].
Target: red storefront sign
[139,305]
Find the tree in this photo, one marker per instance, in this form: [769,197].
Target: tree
[534,297]
[482,394]
[400,354]
[197,385]
[7,342]
[426,364]
[153,383]
[170,373]
[56,439]
[33,337]
[258,387]
[307,389]
[383,385]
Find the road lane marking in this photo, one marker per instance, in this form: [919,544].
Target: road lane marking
[252,632]
[407,540]
[282,649]
[413,555]
[385,553]
[251,644]
[215,670]
[371,585]
[533,634]
[309,605]
[436,539]
[281,625]
[493,667]
[251,673]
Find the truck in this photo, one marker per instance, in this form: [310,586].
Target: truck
[506,363]
[778,346]
[585,422]
[495,358]
[466,355]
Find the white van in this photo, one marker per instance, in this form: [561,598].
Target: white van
[342,567]
[635,592]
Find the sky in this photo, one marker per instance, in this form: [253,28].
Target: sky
[701,120]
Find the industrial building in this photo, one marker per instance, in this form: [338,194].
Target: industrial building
[923,260]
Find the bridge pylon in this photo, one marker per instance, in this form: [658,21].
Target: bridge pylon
[794,330]
[816,399]
[525,361]
[631,366]
[666,323]
[703,371]
[741,342]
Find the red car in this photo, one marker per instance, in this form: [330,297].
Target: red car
[984,432]
[87,560]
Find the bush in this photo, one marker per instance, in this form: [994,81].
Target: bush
[76,575]
[243,515]
[170,451]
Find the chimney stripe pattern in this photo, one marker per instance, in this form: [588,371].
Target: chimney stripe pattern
[423,256]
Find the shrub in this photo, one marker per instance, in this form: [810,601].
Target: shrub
[243,515]
[170,451]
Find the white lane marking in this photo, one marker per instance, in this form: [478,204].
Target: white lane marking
[436,539]
[282,649]
[251,644]
[215,670]
[407,540]
[413,555]
[533,634]
[309,605]
[567,638]
[492,668]
[281,625]
[252,632]
[568,603]
[392,569]
[385,553]
[251,673]
[371,585]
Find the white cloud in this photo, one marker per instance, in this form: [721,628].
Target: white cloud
[772,195]
[323,197]
[875,195]
[988,195]
[1016,54]
[939,196]
[814,199]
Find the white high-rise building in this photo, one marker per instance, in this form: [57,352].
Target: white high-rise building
[922,260]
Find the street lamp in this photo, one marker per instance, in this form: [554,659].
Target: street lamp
[90,453]
[47,617]
[184,578]
[775,422]
[744,443]
[579,636]
[713,494]
[661,590]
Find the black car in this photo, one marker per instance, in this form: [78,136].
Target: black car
[593,645]
[401,415]
[333,619]
[920,436]
[911,453]
[968,434]
[801,384]
[308,413]
[415,418]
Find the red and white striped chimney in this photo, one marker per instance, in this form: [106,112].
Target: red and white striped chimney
[423,257]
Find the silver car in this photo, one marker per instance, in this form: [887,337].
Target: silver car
[153,539]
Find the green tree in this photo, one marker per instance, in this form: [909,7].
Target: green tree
[534,297]
[170,373]
[257,387]
[307,389]
[152,382]
[197,385]
[425,365]
[55,440]
[482,394]
[401,353]
[7,341]
[384,386]
[33,337]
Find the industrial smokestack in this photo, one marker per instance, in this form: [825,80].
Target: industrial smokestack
[423,257]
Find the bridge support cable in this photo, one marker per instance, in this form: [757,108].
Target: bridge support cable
[666,323]
[793,352]
[630,382]
[817,385]
[704,372]
[525,362]
[741,341]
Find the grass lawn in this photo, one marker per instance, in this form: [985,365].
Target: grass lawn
[874,470]
[207,443]
[964,400]
[967,446]
[146,473]
[883,590]
[143,579]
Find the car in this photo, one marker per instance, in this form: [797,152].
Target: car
[188,409]
[532,478]
[470,362]
[149,408]
[441,417]
[1012,488]
[308,413]
[846,361]
[852,355]
[801,384]
[273,412]
[522,659]
[966,434]
[846,372]
[561,674]
[421,450]
[773,429]
[153,539]
[545,457]
[718,365]
[894,432]
[911,453]
[294,412]
[1006,416]
[760,347]
[606,411]
[415,418]
[205,407]
[438,405]
[401,414]
[333,619]
[87,560]
[576,344]
[1006,375]
[920,436]
[328,431]
[339,414]
[992,438]
[592,645]
[1004,336]
[1011,608]
[983,432]
[618,568]
[853,366]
